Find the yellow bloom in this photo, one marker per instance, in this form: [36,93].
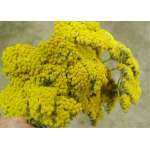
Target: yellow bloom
[125,102]
[59,78]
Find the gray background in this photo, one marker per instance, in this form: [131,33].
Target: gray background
[136,35]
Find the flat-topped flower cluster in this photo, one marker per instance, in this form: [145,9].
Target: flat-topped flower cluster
[55,81]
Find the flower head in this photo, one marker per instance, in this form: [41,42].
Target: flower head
[58,79]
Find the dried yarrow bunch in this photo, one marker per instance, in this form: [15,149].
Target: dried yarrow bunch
[55,81]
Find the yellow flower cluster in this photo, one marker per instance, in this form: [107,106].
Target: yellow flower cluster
[84,33]
[13,102]
[125,102]
[47,109]
[66,75]
[128,87]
